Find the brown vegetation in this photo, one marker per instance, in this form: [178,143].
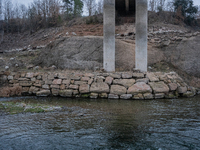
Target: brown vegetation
[10,91]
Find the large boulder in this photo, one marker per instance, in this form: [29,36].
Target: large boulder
[159,87]
[99,87]
[117,90]
[139,87]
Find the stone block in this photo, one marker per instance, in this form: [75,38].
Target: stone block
[173,86]
[80,82]
[116,75]
[94,95]
[145,80]
[163,78]
[85,78]
[152,77]
[23,74]
[33,79]
[62,76]
[98,80]
[138,75]
[48,82]
[25,90]
[103,95]
[10,77]
[33,90]
[90,81]
[126,96]
[67,82]
[55,92]
[189,94]
[159,95]
[43,93]
[117,90]
[139,87]
[29,75]
[45,87]
[37,85]
[84,88]
[74,87]
[159,87]
[75,78]
[182,90]
[54,86]
[89,75]
[57,81]
[23,79]
[75,92]
[124,82]
[39,77]
[25,83]
[62,86]
[113,96]
[65,93]
[100,87]
[51,76]
[148,96]
[13,81]
[138,97]
[109,80]
[17,76]
[127,75]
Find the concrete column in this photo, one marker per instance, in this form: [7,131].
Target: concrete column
[127,5]
[141,35]
[109,36]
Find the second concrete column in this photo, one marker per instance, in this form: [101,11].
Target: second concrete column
[109,36]
[141,35]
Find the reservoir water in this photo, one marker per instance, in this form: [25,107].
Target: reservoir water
[85,124]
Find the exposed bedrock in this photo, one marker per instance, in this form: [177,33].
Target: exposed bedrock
[87,53]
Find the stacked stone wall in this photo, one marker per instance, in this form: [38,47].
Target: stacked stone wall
[121,85]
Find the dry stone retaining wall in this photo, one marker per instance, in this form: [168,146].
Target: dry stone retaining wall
[121,85]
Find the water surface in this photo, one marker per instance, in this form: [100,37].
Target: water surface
[104,124]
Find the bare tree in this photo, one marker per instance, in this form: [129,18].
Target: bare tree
[1,23]
[152,4]
[90,6]
[7,13]
[100,6]
[24,15]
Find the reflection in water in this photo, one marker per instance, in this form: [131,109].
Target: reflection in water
[105,124]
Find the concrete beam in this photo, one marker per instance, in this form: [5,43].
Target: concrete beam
[109,36]
[141,35]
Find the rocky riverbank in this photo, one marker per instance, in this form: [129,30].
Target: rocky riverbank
[119,85]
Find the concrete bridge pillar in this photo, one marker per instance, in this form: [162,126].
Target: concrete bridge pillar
[109,36]
[141,35]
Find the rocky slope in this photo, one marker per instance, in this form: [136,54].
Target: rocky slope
[69,48]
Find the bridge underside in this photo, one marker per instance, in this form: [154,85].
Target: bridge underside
[125,7]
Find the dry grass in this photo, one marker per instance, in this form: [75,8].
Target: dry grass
[10,91]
